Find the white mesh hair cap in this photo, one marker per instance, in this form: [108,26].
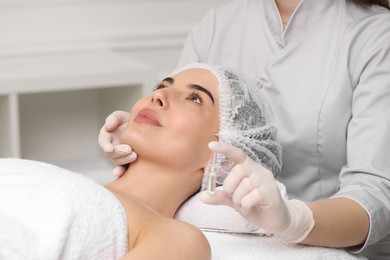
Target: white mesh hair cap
[243,123]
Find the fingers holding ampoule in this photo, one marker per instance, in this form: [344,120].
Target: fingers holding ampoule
[244,185]
[252,190]
[234,179]
[249,188]
[235,154]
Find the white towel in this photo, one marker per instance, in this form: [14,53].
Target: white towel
[47,212]
[229,246]
[219,218]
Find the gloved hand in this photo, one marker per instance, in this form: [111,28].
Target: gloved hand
[109,141]
[252,190]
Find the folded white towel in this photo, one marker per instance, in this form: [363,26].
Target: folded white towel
[231,246]
[219,218]
[47,212]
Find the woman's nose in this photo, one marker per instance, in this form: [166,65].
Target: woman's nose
[160,99]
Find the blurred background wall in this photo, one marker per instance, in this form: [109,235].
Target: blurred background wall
[139,27]
[66,64]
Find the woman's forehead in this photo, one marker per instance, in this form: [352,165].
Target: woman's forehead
[199,76]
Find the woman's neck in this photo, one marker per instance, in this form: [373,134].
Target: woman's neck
[286,9]
[160,188]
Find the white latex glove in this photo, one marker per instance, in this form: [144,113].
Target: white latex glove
[109,141]
[252,190]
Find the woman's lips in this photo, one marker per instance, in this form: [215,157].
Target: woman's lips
[147,116]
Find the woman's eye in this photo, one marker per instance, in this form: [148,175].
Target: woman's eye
[196,98]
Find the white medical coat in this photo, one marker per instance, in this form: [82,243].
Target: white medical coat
[327,78]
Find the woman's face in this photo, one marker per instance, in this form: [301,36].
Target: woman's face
[175,124]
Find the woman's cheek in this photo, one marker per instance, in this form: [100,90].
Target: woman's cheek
[126,136]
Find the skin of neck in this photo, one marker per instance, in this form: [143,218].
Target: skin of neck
[286,9]
[161,188]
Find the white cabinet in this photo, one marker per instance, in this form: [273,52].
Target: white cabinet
[52,106]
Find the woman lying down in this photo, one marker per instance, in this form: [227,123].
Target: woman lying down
[49,213]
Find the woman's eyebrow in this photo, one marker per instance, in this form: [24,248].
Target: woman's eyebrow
[169,80]
[204,90]
[192,86]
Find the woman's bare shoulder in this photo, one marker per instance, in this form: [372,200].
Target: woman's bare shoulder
[190,239]
[166,238]
[152,236]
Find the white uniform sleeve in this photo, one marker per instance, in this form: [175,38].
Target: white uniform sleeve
[366,177]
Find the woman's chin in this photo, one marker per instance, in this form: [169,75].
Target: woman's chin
[134,139]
